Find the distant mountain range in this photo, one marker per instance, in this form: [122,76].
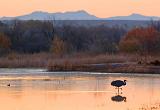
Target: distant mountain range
[77,15]
[134,17]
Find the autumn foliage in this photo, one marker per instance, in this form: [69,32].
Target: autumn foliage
[5,43]
[58,46]
[141,41]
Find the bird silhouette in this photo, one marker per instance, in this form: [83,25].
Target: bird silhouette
[9,85]
[119,98]
[118,83]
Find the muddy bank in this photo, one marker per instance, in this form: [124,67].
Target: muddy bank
[109,68]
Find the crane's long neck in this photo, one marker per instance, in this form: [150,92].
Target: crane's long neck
[124,82]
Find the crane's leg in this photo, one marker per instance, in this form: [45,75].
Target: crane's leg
[118,90]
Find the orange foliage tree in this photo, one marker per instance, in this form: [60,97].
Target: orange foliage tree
[5,43]
[144,41]
[58,46]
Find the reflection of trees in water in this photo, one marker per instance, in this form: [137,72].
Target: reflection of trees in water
[119,98]
[155,106]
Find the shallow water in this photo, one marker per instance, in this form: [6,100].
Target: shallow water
[35,89]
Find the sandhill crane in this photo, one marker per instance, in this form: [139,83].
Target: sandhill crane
[118,83]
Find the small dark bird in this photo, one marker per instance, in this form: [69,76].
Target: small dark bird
[118,83]
[9,85]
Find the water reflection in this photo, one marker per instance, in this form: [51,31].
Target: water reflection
[155,106]
[82,92]
[119,98]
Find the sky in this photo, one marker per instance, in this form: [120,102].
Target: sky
[99,8]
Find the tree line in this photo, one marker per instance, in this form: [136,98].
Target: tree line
[43,36]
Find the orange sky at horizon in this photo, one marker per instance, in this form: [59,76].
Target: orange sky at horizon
[99,8]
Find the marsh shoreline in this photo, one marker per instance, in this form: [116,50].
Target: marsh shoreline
[104,63]
[109,68]
[105,68]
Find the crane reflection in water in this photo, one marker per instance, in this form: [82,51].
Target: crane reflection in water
[119,98]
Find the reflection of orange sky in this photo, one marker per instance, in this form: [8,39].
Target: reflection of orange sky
[38,100]
[100,8]
[80,94]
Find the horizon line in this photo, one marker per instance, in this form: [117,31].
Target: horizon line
[70,11]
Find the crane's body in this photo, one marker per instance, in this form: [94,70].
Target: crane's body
[118,83]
